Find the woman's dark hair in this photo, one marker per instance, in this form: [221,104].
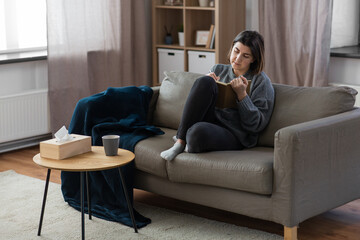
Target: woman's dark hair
[255,42]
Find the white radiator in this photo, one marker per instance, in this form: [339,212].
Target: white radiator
[23,115]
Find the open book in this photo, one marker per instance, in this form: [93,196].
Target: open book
[227,97]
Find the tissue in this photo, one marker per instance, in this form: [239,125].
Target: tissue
[62,135]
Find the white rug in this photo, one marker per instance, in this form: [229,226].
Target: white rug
[20,207]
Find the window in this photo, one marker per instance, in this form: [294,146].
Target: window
[345,23]
[22,25]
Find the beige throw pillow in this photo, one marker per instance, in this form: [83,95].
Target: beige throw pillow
[173,93]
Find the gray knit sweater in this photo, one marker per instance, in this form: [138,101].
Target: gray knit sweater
[253,112]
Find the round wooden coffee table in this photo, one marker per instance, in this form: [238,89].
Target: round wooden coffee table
[96,160]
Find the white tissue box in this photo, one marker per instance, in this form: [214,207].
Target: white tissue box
[60,150]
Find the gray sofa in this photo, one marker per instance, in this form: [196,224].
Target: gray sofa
[307,160]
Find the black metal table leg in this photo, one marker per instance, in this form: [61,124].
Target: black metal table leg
[88,195]
[128,201]
[82,205]
[44,200]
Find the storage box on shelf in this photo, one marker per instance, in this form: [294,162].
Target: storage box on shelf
[200,61]
[170,60]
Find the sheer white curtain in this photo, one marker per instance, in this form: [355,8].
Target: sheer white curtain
[297,40]
[93,45]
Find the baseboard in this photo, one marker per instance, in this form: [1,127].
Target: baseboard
[23,143]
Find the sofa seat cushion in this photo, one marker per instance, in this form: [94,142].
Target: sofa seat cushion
[147,153]
[247,170]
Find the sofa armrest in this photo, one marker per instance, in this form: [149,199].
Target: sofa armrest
[152,105]
[316,167]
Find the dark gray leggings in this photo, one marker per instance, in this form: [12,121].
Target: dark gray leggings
[199,126]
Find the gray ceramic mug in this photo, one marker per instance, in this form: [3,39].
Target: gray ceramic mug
[111,144]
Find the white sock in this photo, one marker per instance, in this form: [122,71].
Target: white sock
[175,140]
[172,152]
[186,148]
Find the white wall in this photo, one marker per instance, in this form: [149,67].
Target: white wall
[24,76]
[23,103]
[345,72]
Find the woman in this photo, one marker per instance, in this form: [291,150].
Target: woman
[204,127]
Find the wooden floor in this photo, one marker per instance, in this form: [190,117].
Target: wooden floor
[340,223]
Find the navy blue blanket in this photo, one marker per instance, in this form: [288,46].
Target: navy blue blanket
[121,111]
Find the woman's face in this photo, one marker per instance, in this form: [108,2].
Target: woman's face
[241,58]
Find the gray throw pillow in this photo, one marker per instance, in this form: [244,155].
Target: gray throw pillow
[300,104]
[173,93]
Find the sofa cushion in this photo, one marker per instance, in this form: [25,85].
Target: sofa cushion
[147,153]
[152,104]
[173,93]
[247,170]
[300,104]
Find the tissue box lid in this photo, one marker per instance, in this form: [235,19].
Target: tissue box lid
[60,150]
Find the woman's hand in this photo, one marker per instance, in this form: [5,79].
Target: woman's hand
[213,75]
[239,86]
